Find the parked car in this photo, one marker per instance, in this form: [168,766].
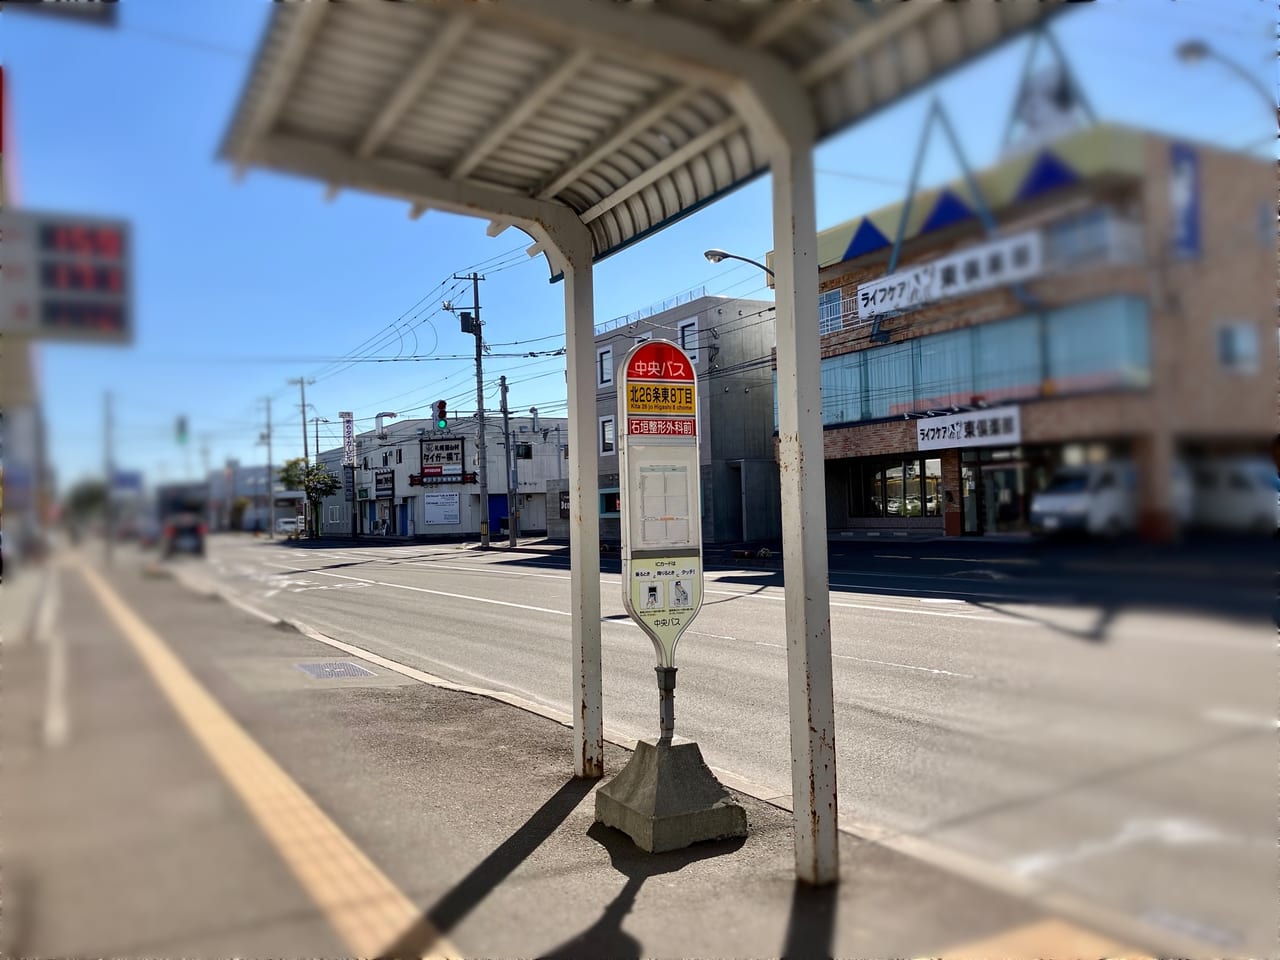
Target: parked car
[1236,496]
[1099,499]
[184,533]
[287,525]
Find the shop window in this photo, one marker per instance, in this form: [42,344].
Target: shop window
[944,370]
[1007,359]
[842,388]
[610,503]
[932,480]
[1238,348]
[889,387]
[607,435]
[1097,345]
[1080,239]
[830,318]
[604,366]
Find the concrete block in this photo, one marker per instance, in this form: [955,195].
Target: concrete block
[666,798]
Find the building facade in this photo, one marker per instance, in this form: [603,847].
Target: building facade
[730,342]
[238,498]
[1141,328]
[415,480]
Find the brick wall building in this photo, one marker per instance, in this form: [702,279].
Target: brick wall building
[1144,331]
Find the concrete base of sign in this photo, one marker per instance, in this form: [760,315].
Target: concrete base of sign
[666,798]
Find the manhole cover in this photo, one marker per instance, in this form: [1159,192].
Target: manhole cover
[335,670]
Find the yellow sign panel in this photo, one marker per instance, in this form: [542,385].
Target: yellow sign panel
[674,399]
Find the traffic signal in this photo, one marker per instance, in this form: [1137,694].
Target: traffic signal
[442,415]
[181,430]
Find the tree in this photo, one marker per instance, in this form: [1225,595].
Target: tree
[86,500]
[314,481]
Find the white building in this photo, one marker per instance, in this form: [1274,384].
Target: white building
[416,480]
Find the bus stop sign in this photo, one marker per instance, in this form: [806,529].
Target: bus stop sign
[661,507]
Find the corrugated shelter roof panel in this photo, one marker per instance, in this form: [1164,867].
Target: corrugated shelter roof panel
[487,93]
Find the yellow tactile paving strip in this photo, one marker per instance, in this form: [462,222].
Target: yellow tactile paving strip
[1044,940]
[366,909]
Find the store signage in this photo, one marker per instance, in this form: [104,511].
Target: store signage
[985,266]
[66,277]
[442,460]
[384,484]
[349,485]
[348,438]
[660,504]
[442,508]
[1184,200]
[993,427]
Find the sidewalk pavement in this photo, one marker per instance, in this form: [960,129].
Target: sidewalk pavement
[129,841]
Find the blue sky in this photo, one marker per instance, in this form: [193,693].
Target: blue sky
[244,285]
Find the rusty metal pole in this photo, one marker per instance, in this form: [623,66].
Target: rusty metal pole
[804,521]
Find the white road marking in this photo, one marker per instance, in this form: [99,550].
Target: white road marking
[1007,620]
[57,715]
[1239,718]
[434,593]
[905,666]
[1169,831]
[883,663]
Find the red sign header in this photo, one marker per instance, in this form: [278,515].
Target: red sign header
[660,361]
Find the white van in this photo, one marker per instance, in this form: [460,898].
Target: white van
[1098,498]
[1236,496]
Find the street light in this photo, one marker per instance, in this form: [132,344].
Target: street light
[715,256]
[1196,51]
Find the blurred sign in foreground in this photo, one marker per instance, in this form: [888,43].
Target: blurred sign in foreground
[65,277]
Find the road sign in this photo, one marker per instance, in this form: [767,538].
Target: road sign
[660,504]
[659,391]
[66,277]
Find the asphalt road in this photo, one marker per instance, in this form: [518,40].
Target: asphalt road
[1060,724]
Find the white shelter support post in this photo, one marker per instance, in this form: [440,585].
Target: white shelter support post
[584,508]
[804,521]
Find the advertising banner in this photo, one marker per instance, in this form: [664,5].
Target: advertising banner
[983,266]
[994,427]
[348,439]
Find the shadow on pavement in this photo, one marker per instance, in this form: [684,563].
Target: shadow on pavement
[812,923]
[450,909]
[605,937]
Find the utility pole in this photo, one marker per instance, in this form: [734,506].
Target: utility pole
[471,324]
[302,405]
[108,467]
[511,494]
[317,420]
[204,478]
[271,492]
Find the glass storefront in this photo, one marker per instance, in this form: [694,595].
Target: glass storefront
[895,487]
[997,483]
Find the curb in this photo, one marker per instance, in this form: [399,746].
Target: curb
[1055,903]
